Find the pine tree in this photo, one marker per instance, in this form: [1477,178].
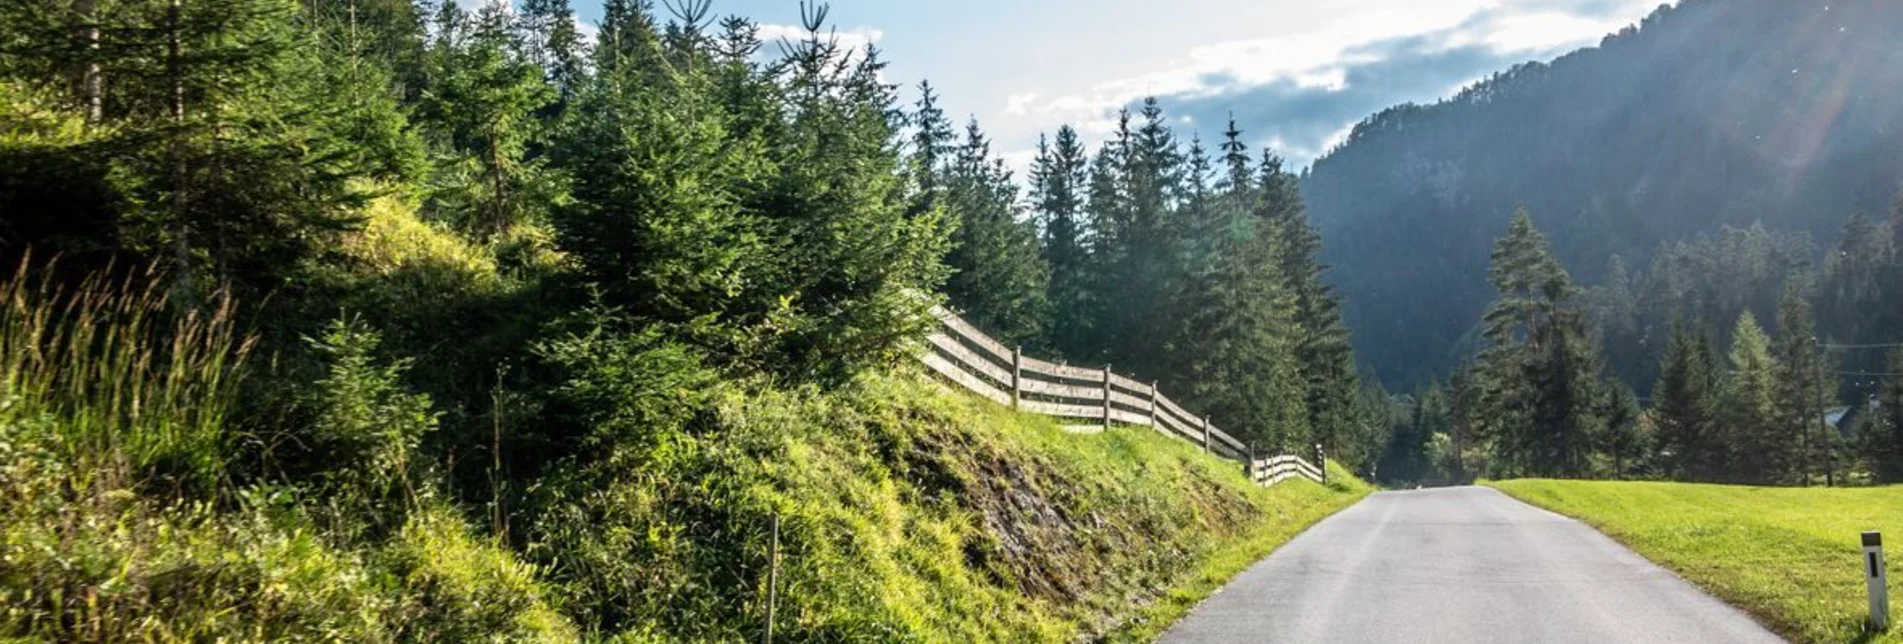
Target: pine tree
[1532,290]
[218,140]
[998,278]
[1885,423]
[481,101]
[1622,441]
[1685,408]
[555,45]
[1800,387]
[1058,188]
[1323,349]
[1236,344]
[1748,406]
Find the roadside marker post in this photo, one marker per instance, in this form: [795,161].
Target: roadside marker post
[1875,576]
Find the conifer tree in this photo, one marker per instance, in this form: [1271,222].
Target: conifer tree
[1622,441]
[1880,429]
[1748,406]
[481,99]
[998,278]
[1532,289]
[1057,192]
[1685,408]
[1236,344]
[1800,388]
[1326,357]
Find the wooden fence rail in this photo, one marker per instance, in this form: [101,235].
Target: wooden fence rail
[1088,399]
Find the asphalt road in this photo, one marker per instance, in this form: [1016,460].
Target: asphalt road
[1466,565]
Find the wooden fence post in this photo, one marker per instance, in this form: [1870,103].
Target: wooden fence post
[1321,462]
[1017,377]
[1205,434]
[773,578]
[1106,397]
[1250,466]
[1153,405]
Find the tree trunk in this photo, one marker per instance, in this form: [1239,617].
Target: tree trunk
[181,232]
[91,82]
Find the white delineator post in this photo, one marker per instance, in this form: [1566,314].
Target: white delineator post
[1877,579]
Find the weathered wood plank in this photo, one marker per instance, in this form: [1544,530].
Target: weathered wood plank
[958,326]
[1226,439]
[1054,370]
[1062,409]
[1034,386]
[1129,385]
[1127,400]
[971,360]
[945,367]
[1129,417]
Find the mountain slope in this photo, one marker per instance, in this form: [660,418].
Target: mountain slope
[1788,112]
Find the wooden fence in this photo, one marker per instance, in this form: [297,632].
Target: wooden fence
[1089,399]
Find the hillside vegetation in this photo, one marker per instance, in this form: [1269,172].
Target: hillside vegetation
[910,512]
[1709,113]
[1789,556]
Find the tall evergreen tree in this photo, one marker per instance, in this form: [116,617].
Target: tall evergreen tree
[1758,449]
[1326,357]
[1058,186]
[1802,387]
[481,99]
[1532,289]
[1236,344]
[1684,409]
[998,278]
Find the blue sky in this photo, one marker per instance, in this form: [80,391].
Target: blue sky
[1295,73]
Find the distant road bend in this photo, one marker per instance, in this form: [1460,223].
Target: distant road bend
[1461,565]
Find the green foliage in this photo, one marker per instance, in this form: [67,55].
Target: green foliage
[364,417]
[998,277]
[1684,408]
[1630,144]
[1777,553]
[127,388]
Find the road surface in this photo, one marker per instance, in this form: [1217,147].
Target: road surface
[1467,565]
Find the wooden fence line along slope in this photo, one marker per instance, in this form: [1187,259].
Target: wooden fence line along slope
[1088,399]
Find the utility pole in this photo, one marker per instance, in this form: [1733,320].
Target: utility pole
[1829,441]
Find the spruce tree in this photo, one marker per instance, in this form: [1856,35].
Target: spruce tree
[1800,388]
[1885,424]
[1532,290]
[1749,407]
[1058,186]
[998,279]
[1684,408]
[480,103]
[1236,344]
[1323,349]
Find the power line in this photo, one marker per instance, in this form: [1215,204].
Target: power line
[1891,345]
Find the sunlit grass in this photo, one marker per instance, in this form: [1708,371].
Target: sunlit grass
[1789,556]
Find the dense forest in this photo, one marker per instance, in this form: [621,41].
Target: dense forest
[391,321]
[1744,384]
[1708,114]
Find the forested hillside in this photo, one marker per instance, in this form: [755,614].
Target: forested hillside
[376,321]
[1787,113]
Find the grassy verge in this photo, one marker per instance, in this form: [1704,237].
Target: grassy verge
[957,519]
[1789,556]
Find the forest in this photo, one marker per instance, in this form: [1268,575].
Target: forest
[1740,381]
[1706,114]
[371,320]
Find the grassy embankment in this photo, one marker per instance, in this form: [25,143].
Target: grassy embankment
[1789,556]
[910,512]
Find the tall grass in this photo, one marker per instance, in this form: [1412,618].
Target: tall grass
[128,386]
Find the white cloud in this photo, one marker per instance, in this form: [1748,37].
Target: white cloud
[854,39]
[1017,104]
[1321,58]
